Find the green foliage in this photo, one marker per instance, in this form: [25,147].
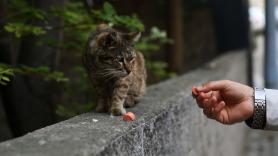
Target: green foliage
[20,10]
[109,14]
[5,73]
[159,71]
[77,96]
[17,21]
[65,112]
[19,29]
[44,72]
[149,43]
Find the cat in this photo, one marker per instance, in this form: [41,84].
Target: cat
[116,69]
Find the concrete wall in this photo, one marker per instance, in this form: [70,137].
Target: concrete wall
[168,123]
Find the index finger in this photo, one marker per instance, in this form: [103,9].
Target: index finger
[194,92]
[213,86]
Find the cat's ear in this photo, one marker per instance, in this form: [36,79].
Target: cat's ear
[102,26]
[132,37]
[105,39]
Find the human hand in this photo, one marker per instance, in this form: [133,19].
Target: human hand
[225,101]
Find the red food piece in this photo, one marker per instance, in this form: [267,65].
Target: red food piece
[129,116]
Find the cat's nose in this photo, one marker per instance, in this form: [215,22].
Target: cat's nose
[128,71]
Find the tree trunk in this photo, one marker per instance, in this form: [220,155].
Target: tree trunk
[176,33]
[5,131]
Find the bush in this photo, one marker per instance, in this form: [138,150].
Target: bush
[77,21]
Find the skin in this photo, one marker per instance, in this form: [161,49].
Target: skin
[225,101]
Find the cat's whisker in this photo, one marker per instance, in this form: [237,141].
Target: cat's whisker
[108,72]
[104,72]
[105,75]
[108,75]
[113,76]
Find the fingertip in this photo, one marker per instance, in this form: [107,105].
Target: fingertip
[199,89]
[214,99]
[194,91]
[223,103]
[220,106]
[203,89]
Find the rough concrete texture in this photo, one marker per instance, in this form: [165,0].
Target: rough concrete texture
[168,123]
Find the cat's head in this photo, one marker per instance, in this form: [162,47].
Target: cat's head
[113,52]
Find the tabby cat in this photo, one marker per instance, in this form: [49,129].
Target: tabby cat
[116,69]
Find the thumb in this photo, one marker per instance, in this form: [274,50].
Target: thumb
[213,86]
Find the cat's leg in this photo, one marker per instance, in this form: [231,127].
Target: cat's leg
[129,101]
[135,94]
[137,99]
[118,97]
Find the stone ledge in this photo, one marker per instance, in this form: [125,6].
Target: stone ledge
[168,123]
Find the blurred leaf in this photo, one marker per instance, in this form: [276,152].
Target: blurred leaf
[131,22]
[5,73]
[146,47]
[108,11]
[45,72]
[65,112]
[42,69]
[23,11]
[57,76]
[5,69]
[158,69]
[20,29]
[109,15]
[73,17]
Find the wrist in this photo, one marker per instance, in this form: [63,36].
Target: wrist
[258,117]
[250,103]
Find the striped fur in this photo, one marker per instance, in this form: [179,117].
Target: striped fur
[116,70]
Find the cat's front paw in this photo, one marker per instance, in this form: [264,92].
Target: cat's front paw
[118,111]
